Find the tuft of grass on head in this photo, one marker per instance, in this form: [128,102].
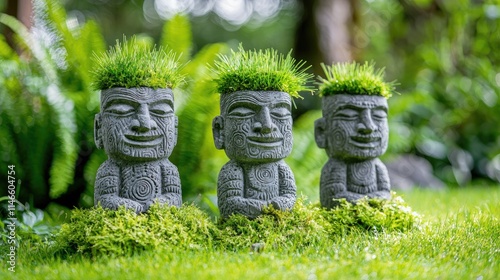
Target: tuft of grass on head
[98,231]
[354,78]
[134,64]
[262,70]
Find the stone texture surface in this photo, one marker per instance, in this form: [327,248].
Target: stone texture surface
[354,132]
[255,130]
[137,128]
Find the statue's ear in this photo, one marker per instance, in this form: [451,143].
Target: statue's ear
[176,129]
[217,129]
[319,133]
[97,132]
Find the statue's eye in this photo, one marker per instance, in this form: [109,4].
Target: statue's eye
[161,109]
[347,114]
[120,109]
[379,114]
[242,112]
[280,112]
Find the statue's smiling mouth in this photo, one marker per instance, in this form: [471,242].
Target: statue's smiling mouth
[365,141]
[143,140]
[265,141]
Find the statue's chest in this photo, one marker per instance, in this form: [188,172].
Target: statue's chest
[361,177]
[262,181]
[141,182]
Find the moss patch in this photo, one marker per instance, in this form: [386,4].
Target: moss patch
[133,64]
[99,231]
[274,229]
[310,225]
[354,78]
[262,70]
[122,232]
[371,215]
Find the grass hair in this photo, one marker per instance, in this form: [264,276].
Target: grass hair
[356,79]
[133,64]
[262,70]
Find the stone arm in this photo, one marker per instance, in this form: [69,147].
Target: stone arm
[287,188]
[383,183]
[333,184]
[107,189]
[171,192]
[230,193]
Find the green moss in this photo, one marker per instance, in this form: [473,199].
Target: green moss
[371,215]
[354,78]
[293,230]
[99,231]
[134,64]
[310,225]
[263,70]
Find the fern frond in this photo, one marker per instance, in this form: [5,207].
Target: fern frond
[176,36]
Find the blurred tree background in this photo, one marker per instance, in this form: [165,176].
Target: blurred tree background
[443,53]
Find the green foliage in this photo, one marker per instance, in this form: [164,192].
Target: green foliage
[31,225]
[177,36]
[354,78]
[264,70]
[129,64]
[448,70]
[99,231]
[46,95]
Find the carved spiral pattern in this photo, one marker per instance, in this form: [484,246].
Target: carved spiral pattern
[239,140]
[362,171]
[339,136]
[264,175]
[142,190]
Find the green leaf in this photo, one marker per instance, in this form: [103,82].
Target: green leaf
[176,35]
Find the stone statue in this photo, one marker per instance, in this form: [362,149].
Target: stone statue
[354,132]
[255,130]
[138,130]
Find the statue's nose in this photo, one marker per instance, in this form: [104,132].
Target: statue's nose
[263,122]
[366,124]
[143,121]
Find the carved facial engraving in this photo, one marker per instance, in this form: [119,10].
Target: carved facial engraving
[138,123]
[356,126]
[257,126]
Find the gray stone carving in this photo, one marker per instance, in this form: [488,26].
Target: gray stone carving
[354,132]
[255,130]
[137,129]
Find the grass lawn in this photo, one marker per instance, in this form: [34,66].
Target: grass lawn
[460,239]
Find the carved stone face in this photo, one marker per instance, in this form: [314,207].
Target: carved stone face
[355,126]
[136,124]
[254,126]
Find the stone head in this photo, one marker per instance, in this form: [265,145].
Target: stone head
[353,127]
[254,126]
[136,124]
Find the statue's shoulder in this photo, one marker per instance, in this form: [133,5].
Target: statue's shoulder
[108,168]
[230,171]
[335,164]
